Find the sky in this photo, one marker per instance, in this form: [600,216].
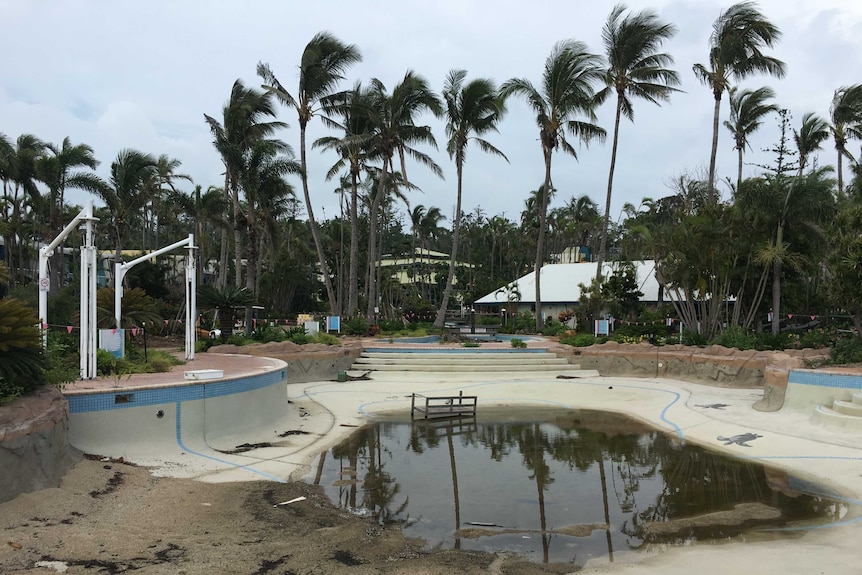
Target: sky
[117,74]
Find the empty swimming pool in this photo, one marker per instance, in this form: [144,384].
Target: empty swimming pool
[568,487]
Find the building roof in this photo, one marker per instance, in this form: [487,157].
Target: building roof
[560,283]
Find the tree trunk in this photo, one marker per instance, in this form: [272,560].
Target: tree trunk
[456,237]
[739,172]
[840,173]
[372,244]
[353,272]
[315,234]
[776,282]
[714,151]
[540,243]
[603,249]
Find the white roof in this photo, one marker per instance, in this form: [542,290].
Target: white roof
[560,283]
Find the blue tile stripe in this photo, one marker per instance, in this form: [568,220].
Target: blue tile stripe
[825,379]
[106,401]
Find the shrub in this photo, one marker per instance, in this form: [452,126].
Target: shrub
[472,344]
[518,343]
[355,326]
[783,340]
[267,333]
[237,339]
[817,339]
[735,336]
[299,338]
[693,338]
[579,340]
[201,345]
[324,338]
[847,350]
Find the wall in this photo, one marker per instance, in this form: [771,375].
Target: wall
[311,362]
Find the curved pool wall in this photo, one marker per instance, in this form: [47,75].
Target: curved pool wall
[142,423]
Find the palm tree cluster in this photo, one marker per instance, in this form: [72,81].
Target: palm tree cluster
[255,234]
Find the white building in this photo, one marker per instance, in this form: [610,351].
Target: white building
[560,291]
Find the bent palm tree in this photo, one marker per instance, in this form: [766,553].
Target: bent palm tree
[747,109]
[393,131]
[324,61]
[846,114]
[472,110]
[735,51]
[635,68]
[566,91]
[814,131]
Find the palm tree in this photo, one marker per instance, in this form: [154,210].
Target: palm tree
[635,68]
[354,156]
[809,138]
[162,183]
[473,109]
[125,194]
[566,91]
[262,181]
[846,115]
[245,120]
[225,301]
[207,210]
[747,110]
[394,132]
[19,191]
[735,52]
[324,61]
[55,170]
[22,361]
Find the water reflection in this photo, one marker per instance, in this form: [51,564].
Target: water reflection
[570,487]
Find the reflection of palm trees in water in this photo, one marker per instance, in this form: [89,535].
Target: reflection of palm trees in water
[533,443]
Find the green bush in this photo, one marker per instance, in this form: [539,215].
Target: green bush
[355,326]
[690,337]
[518,343]
[816,338]
[299,338]
[472,344]
[267,333]
[784,340]
[735,336]
[579,340]
[847,350]
[325,339]
[237,339]
[201,345]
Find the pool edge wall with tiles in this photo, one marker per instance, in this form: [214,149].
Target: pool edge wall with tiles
[122,421]
[807,389]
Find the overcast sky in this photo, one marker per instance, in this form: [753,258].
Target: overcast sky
[141,75]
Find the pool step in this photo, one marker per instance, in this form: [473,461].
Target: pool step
[828,415]
[466,362]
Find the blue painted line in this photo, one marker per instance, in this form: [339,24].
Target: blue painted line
[210,457]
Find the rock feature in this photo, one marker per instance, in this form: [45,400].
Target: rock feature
[34,450]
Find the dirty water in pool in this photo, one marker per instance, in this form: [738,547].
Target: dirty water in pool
[569,487]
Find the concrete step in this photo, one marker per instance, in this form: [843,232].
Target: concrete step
[440,367]
[828,416]
[857,398]
[489,356]
[847,408]
[421,360]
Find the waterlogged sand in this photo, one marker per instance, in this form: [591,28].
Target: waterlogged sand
[111,517]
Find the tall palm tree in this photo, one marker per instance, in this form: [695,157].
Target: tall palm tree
[394,132]
[747,110]
[324,61]
[162,183]
[473,109]
[56,170]
[567,90]
[846,116]
[811,135]
[247,118]
[355,156]
[736,44]
[635,68]
[20,194]
[125,193]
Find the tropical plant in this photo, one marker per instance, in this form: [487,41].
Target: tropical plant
[567,91]
[323,63]
[56,169]
[20,195]
[246,119]
[394,132]
[137,309]
[473,109]
[635,68]
[747,110]
[355,156]
[736,44]
[225,301]
[811,135]
[125,193]
[846,116]
[22,361]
